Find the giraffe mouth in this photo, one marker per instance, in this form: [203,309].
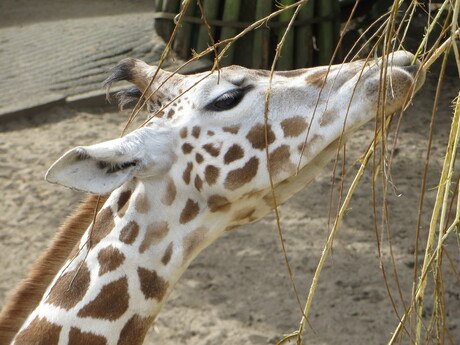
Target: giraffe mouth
[406,62]
[399,75]
[412,69]
[418,73]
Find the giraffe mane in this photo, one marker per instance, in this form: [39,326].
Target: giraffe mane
[31,289]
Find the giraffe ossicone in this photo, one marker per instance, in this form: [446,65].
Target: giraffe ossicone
[201,166]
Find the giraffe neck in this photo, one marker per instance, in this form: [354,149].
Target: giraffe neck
[117,282]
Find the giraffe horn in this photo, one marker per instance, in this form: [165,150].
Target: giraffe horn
[137,72]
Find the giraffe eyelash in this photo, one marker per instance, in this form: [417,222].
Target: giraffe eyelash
[229,99]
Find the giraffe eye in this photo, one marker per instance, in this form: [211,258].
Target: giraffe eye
[228,100]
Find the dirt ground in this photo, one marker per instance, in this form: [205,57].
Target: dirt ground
[238,290]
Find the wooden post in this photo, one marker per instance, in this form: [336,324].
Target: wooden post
[304,37]
[261,46]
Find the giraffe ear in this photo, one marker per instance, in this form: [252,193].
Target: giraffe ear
[103,167]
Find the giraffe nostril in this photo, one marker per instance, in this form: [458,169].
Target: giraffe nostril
[412,69]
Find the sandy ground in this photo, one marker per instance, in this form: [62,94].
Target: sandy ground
[238,290]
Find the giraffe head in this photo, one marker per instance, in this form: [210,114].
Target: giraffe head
[208,144]
[204,162]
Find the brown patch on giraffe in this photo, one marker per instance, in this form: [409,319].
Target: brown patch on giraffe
[212,149]
[129,232]
[245,213]
[170,194]
[256,136]
[231,129]
[280,160]
[187,148]
[103,306]
[294,126]
[171,113]
[110,258]
[70,288]
[167,255]
[134,331]
[198,183]
[211,173]
[329,116]
[77,337]
[183,132]
[39,332]
[211,133]
[30,291]
[316,78]
[142,203]
[154,234]
[196,131]
[152,285]
[218,203]
[104,224]
[123,203]
[189,212]
[239,177]
[187,172]
[234,153]
[199,158]
[76,250]
[231,227]
[193,241]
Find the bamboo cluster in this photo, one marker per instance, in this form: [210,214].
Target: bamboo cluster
[310,42]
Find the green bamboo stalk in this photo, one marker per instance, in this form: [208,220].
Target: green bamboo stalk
[158,5]
[211,11]
[169,6]
[158,22]
[184,35]
[243,48]
[231,13]
[327,31]
[304,37]
[261,45]
[286,60]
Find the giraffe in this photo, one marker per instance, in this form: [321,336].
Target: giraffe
[200,167]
